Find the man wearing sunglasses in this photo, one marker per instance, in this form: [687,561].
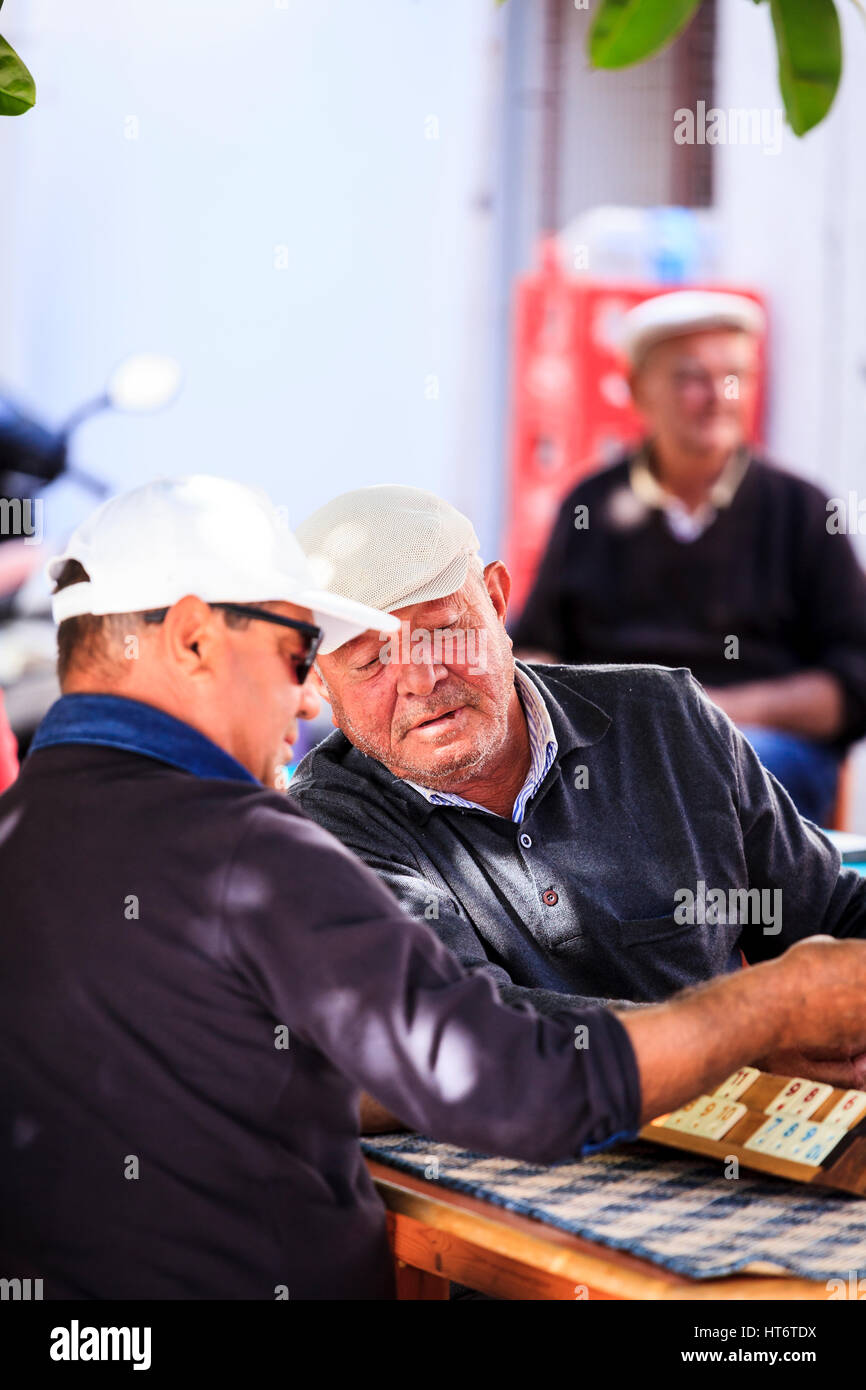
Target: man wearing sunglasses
[197,981]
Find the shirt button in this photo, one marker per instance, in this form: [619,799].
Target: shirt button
[549,898]
[526,840]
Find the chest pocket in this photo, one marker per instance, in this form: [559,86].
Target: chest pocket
[694,950]
[646,931]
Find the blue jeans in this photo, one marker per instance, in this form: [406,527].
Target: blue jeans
[808,771]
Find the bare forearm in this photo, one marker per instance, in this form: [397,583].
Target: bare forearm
[809,998]
[690,1044]
[810,703]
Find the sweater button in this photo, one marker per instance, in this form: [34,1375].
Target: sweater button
[526,840]
[549,898]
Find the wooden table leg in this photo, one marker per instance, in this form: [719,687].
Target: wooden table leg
[412,1282]
[417,1283]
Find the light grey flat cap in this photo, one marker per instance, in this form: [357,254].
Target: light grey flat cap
[388,546]
[686,311]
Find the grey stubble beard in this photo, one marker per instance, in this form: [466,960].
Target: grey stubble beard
[472,763]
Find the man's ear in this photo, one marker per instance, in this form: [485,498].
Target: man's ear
[319,682]
[634,387]
[316,677]
[498,583]
[192,635]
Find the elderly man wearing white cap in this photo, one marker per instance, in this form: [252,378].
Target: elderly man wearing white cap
[196,981]
[692,551]
[577,834]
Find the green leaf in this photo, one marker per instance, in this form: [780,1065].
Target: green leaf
[17,88]
[627,31]
[810,59]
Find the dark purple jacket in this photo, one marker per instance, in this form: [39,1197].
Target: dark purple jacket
[168,926]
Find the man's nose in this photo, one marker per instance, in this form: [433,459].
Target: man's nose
[310,704]
[419,678]
[721,389]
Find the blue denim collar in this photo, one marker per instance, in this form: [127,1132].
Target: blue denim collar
[112,721]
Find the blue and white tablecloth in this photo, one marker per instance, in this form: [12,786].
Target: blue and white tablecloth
[681,1212]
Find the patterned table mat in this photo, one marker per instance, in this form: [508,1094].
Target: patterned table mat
[678,1211]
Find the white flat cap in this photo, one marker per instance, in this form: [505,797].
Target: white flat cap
[220,540]
[388,546]
[686,311]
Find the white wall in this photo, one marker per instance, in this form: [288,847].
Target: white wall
[795,223]
[262,124]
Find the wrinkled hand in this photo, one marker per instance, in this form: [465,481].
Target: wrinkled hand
[822,984]
[849,1073]
[740,703]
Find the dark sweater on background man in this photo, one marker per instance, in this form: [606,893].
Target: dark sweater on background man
[772,570]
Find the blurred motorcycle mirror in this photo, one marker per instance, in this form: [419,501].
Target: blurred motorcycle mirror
[144,382]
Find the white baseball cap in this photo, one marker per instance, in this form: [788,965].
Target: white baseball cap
[389,545]
[221,540]
[686,311]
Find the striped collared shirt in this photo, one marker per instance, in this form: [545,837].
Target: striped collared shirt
[542,748]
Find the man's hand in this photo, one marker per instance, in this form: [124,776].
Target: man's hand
[823,982]
[849,1073]
[534,656]
[809,703]
[811,1001]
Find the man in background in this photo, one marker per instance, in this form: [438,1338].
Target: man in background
[692,551]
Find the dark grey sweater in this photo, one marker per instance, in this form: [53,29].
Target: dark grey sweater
[773,568]
[671,796]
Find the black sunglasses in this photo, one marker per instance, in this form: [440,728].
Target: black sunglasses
[301,661]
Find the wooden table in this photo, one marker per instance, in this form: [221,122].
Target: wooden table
[438,1236]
